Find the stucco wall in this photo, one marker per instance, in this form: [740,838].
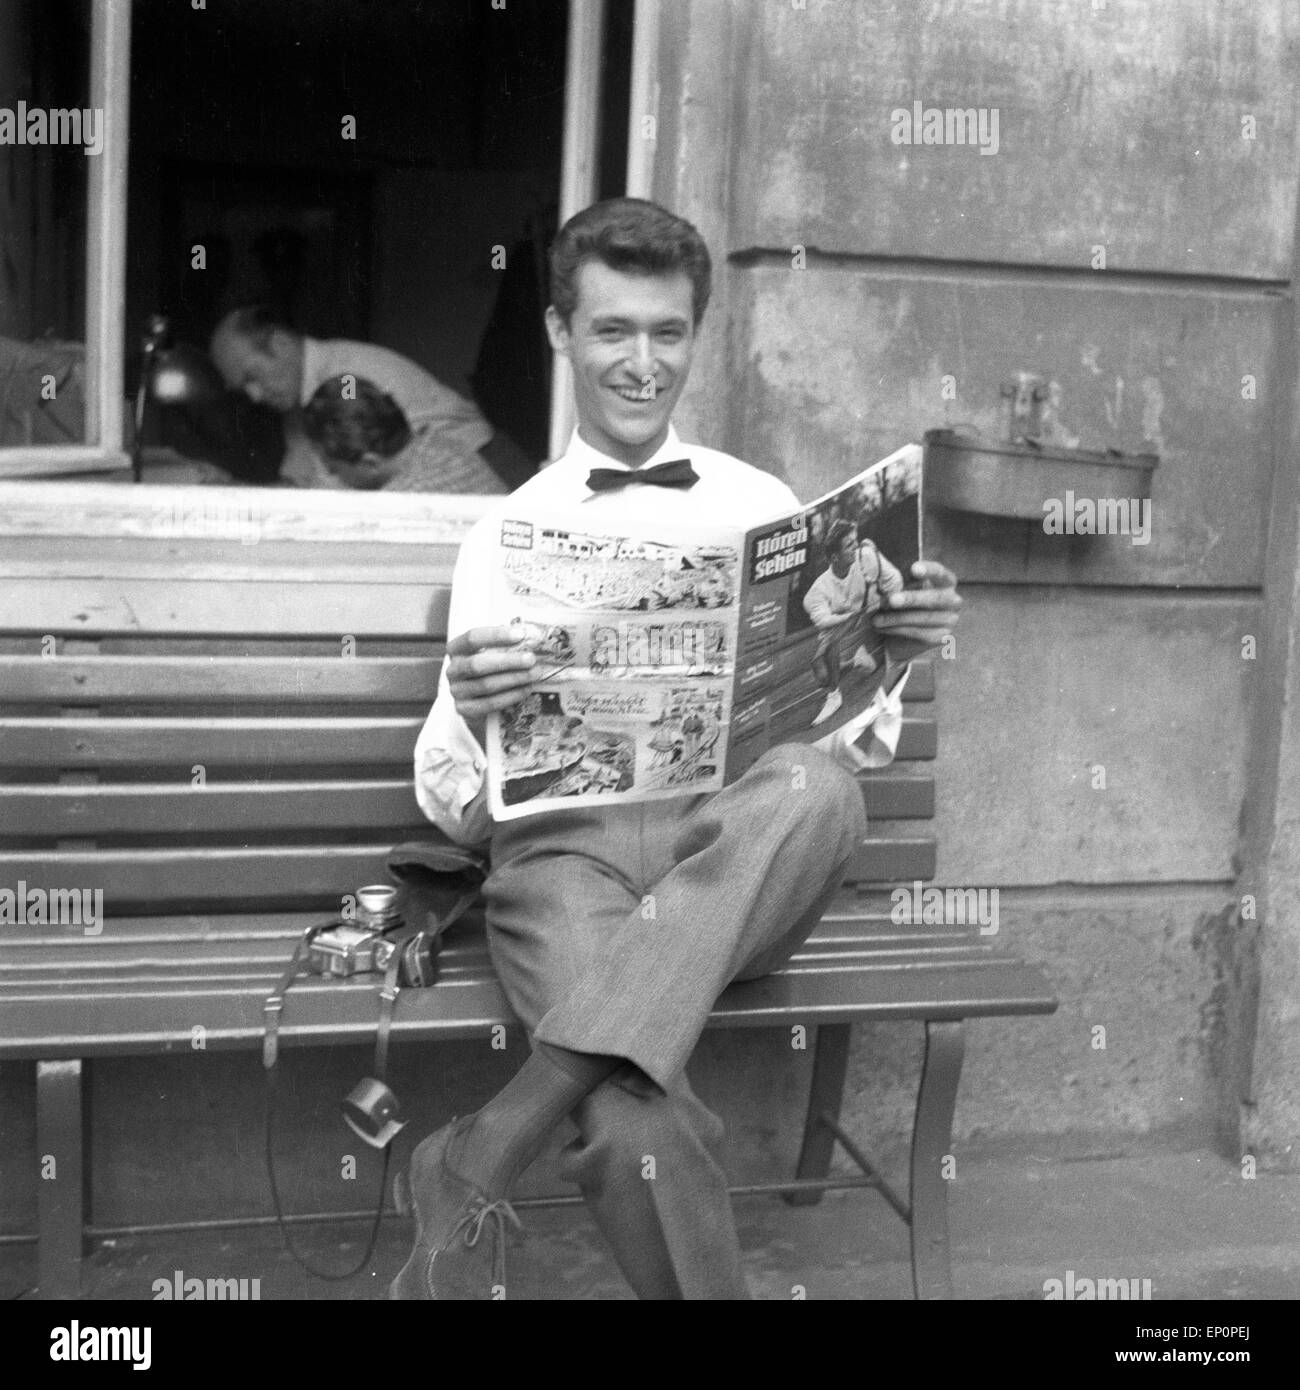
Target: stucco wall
[855,275]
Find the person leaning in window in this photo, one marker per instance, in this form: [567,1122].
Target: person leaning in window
[365,440]
[614,999]
[453,448]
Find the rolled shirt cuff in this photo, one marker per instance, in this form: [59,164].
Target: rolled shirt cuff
[869,739]
[451,776]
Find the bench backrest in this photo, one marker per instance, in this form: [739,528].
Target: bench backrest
[206,726]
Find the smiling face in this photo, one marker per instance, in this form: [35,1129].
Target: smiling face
[630,340]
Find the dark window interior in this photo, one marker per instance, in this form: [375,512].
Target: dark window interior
[237,126]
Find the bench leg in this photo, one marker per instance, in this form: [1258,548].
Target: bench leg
[59,1195]
[945,1046]
[830,1066]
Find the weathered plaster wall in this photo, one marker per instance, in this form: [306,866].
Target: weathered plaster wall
[855,274]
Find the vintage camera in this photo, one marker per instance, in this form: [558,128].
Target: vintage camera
[365,946]
[344,948]
[357,947]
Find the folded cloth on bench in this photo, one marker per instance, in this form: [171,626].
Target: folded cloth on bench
[439,878]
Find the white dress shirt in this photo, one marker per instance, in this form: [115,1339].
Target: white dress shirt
[450,764]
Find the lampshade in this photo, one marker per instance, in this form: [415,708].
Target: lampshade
[175,374]
[170,374]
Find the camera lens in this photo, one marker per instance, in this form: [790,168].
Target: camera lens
[376,899]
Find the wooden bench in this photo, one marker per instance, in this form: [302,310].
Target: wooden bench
[219,737]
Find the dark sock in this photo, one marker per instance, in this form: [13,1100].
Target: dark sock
[509,1131]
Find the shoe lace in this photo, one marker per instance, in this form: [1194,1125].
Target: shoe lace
[481,1211]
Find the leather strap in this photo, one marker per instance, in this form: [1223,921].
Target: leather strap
[273,1006]
[388,993]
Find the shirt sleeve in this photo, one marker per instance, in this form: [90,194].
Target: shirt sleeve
[891,577]
[816,602]
[450,764]
[431,406]
[869,739]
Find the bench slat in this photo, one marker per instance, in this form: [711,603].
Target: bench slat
[311,873]
[113,997]
[171,808]
[994,988]
[359,740]
[891,859]
[94,680]
[220,975]
[29,962]
[274,873]
[172,558]
[300,741]
[86,1022]
[207,679]
[896,794]
[853,915]
[301,608]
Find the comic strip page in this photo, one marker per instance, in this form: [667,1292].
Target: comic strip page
[636,640]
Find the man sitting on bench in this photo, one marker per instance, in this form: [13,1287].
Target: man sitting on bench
[614,930]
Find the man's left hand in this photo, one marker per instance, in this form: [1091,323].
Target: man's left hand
[925,614]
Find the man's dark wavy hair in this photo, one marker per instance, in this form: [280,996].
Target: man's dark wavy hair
[629,234]
[346,419]
[835,537]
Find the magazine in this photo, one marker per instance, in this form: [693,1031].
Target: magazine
[671,656]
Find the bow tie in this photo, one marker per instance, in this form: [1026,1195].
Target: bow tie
[676,473]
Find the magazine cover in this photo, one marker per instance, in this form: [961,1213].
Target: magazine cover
[672,656]
[809,659]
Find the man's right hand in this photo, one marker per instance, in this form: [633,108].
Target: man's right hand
[487,670]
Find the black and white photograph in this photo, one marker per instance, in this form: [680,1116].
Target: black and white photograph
[498,802]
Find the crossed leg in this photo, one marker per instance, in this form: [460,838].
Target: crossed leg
[613,934]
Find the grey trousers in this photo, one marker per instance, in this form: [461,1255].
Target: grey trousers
[614,932]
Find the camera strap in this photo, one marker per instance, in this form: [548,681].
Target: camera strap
[272,1008]
[273,1005]
[371,1111]
[388,993]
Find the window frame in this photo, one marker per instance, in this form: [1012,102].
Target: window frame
[110,87]
[30,505]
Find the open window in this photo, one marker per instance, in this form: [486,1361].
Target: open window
[61,172]
[388,173]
